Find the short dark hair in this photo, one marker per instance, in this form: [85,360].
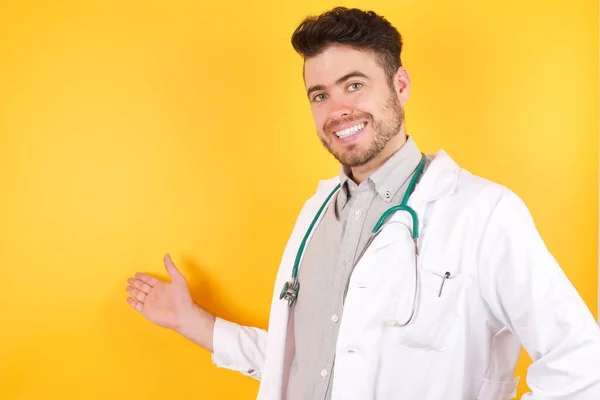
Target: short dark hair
[363,30]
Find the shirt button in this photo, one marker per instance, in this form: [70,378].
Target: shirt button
[357,214]
[387,194]
[323,373]
[335,318]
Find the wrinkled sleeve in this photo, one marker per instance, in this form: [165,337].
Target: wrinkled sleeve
[239,348]
[528,292]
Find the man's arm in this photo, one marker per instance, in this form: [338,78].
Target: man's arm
[235,347]
[528,292]
[170,305]
[240,348]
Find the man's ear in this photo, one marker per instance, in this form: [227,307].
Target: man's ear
[402,85]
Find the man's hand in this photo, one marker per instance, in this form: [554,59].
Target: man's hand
[170,305]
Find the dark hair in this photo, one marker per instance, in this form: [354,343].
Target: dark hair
[363,30]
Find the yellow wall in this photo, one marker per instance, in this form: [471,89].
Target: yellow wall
[130,129]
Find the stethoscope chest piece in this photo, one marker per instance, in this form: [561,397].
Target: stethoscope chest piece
[290,291]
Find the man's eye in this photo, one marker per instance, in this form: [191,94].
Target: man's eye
[319,97]
[355,86]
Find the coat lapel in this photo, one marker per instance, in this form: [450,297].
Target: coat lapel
[439,180]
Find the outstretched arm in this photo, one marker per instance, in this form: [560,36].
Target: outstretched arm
[170,305]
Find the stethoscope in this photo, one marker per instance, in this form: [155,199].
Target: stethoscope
[292,287]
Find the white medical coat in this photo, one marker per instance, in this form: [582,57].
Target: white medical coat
[505,290]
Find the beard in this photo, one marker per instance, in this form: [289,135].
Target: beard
[383,130]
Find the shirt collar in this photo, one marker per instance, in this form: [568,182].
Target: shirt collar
[389,178]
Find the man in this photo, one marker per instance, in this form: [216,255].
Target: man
[436,304]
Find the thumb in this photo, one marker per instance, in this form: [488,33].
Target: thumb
[172,270]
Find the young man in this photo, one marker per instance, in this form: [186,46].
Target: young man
[437,303]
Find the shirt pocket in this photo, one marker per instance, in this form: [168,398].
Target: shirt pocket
[438,308]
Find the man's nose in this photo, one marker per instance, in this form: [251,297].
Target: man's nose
[340,108]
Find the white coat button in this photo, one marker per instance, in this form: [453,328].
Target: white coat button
[357,214]
[387,194]
[323,373]
[334,318]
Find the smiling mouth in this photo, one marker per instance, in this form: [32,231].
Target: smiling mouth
[353,130]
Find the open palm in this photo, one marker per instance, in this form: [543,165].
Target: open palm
[163,303]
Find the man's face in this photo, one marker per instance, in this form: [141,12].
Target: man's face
[355,110]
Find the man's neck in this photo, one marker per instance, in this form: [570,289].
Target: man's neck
[362,172]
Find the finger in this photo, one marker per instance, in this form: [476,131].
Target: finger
[136,305]
[140,285]
[149,280]
[172,269]
[137,294]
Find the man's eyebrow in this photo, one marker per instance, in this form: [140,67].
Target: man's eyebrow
[353,74]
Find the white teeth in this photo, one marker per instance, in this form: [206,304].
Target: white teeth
[350,131]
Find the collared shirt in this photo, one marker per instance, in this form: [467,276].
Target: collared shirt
[327,266]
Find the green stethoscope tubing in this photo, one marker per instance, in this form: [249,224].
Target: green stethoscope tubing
[291,288]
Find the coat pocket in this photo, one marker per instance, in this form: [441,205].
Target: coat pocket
[498,390]
[438,307]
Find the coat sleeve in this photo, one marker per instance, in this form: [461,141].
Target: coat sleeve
[528,292]
[239,348]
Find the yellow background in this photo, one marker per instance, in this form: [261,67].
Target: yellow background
[129,129]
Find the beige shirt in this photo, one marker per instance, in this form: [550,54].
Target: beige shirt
[328,263]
